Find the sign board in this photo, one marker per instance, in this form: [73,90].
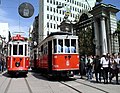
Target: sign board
[26,10]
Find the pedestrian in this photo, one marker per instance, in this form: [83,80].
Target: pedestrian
[114,69]
[82,66]
[97,68]
[105,67]
[3,63]
[0,64]
[89,68]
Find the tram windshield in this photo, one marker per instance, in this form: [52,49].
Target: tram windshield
[17,49]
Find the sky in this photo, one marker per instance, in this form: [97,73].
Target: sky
[9,14]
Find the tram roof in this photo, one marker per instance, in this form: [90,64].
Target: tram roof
[52,34]
[60,33]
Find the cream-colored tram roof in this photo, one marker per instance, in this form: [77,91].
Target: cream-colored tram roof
[16,42]
[59,35]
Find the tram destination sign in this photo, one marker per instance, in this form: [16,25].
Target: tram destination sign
[26,10]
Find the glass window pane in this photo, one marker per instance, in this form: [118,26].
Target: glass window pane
[60,45]
[54,44]
[25,49]
[20,49]
[73,46]
[14,49]
[66,46]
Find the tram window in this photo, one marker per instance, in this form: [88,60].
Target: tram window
[10,46]
[20,49]
[60,45]
[14,49]
[66,46]
[73,46]
[55,43]
[25,49]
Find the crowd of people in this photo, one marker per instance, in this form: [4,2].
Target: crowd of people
[103,67]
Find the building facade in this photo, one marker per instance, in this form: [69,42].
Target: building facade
[3,38]
[4,30]
[50,15]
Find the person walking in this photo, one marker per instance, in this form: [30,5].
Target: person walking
[82,66]
[105,67]
[97,68]
[3,63]
[89,68]
[114,69]
[0,64]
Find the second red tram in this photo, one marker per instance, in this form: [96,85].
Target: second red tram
[18,55]
[57,55]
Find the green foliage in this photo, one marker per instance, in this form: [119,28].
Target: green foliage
[118,25]
[86,41]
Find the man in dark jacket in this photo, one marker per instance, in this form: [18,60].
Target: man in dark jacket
[97,68]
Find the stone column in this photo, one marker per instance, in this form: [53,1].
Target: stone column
[103,36]
[97,42]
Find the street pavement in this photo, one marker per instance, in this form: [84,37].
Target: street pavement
[40,84]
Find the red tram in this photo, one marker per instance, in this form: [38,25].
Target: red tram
[18,55]
[53,60]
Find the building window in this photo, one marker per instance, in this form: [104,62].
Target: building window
[47,25]
[51,1]
[54,17]
[72,1]
[47,1]
[57,18]
[62,4]
[59,3]
[47,8]
[51,25]
[56,2]
[51,9]
[54,26]
[57,10]
[54,10]
[75,2]
[63,12]
[60,11]
[60,19]
[50,17]
[47,16]
[73,8]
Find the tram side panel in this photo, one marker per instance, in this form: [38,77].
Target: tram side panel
[65,62]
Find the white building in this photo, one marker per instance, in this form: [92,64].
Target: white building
[50,16]
[4,30]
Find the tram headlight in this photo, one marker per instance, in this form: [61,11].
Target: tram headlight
[17,64]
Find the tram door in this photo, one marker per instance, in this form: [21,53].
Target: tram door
[50,56]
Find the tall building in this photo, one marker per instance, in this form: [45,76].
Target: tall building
[50,15]
[4,31]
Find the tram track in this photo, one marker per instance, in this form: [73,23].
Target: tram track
[75,89]
[28,86]
[8,86]
[3,82]
[7,89]
[92,86]
[80,91]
